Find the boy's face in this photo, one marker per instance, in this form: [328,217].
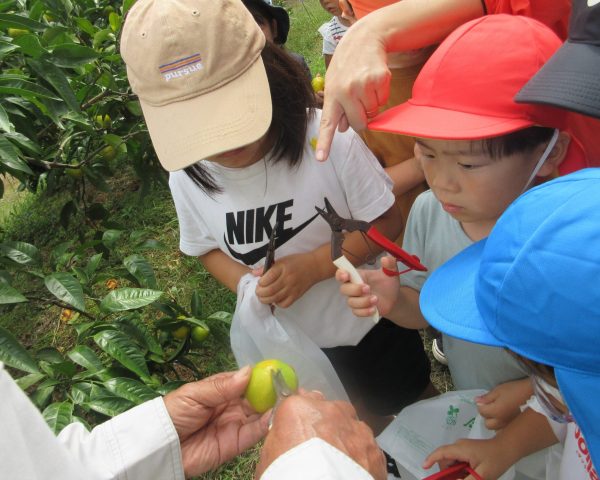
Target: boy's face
[332,6]
[472,186]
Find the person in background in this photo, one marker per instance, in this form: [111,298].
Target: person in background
[531,288]
[274,21]
[333,31]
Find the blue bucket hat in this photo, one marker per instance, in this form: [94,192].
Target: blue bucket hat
[534,287]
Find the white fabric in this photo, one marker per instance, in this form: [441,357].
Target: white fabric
[139,444]
[575,462]
[351,179]
[257,334]
[332,32]
[435,237]
[312,460]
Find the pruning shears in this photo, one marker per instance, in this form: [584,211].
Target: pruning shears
[455,472]
[281,390]
[340,225]
[270,254]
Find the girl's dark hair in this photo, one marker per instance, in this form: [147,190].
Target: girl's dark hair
[292,100]
[521,141]
[530,365]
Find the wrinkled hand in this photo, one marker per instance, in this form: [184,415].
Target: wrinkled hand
[501,404]
[484,456]
[302,417]
[357,81]
[378,290]
[287,280]
[213,422]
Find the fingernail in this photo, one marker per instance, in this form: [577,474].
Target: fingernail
[320,155]
[242,372]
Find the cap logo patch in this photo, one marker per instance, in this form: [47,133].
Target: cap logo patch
[182,67]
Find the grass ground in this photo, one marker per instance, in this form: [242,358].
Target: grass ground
[32,218]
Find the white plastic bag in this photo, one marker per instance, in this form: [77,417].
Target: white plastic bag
[256,334]
[424,426]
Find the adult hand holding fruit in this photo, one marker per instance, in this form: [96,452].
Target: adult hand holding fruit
[212,420]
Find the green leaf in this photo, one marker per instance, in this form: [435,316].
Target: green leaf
[128,299]
[43,393]
[28,380]
[139,267]
[10,295]
[7,47]
[30,45]
[66,288]
[85,25]
[134,108]
[114,20]
[196,304]
[130,389]
[55,77]
[20,252]
[27,89]
[110,237]
[71,55]
[102,36]
[10,156]
[81,392]
[58,415]
[120,347]
[170,386]
[9,20]
[127,4]
[23,142]
[137,329]
[93,264]
[86,357]
[224,317]
[50,355]
[110,406]
[5,124]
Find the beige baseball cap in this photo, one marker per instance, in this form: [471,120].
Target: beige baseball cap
[196,68]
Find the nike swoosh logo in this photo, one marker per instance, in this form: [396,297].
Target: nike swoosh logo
[253,256]
[591,3]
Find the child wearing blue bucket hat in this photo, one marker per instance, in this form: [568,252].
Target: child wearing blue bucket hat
[532,288]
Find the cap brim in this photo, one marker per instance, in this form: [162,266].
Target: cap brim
[231,116]
[447,299]
[581,391]
[569,80]
[440,123]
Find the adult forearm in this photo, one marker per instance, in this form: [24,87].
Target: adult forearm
[413,24]
[405,175]
[223,268]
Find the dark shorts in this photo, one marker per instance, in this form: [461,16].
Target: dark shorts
[386,371]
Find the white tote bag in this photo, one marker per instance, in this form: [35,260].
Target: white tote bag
[257,334]
[424,426]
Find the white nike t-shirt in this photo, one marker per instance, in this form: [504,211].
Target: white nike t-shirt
[238,220]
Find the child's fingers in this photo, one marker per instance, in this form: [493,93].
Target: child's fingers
[342,276]
[390,263]
[355,289]
[445,456]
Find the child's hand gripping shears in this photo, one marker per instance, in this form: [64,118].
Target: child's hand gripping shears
[455,472]
[340,225]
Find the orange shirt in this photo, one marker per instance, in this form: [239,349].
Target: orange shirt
[554,13]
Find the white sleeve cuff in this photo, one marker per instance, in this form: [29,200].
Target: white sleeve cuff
[315,459]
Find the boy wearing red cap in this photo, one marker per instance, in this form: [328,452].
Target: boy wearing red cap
[479,151]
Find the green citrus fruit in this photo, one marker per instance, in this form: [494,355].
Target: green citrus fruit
[318,83]
[260,391]
[17,32]
[102,122]
[199,334]
[108,153]
[74,172]
[181,333]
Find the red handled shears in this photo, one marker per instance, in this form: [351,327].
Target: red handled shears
[340,225]
[455,472]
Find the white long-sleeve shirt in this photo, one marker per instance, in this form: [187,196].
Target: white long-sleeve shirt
[141,443]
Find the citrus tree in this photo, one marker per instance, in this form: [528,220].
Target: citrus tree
[65,105]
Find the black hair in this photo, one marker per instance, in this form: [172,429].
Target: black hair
[293,102]
[521,141]
[545,371]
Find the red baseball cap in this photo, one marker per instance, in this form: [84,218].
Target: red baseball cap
[466,89]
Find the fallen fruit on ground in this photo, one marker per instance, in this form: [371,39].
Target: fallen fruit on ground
[260,391]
